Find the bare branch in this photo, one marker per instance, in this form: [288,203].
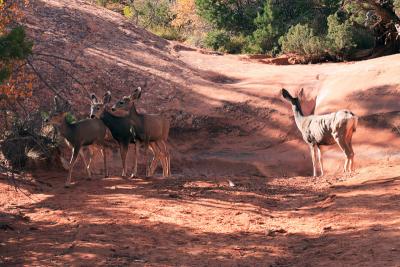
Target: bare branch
[66,72]
[71,61]
[44,81]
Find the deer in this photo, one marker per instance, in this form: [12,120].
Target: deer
[325,130]
[77,135]
[148,128]
[120,128]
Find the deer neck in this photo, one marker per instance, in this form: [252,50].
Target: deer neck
[65,128]
[298,116]
[134,115]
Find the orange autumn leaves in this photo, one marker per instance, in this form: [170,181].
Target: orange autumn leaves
[19,79]
[185,14]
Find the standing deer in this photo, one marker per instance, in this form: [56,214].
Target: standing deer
[328,129]
[120,128]
[77,135]
[147,128]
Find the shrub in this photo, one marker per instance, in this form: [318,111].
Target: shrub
[262,40]
[340,37]
[222,41]
[101,2]
[300,39]
[216,40]
[236,44]
[128,12]
[397,7]
[168,32]
[363,38]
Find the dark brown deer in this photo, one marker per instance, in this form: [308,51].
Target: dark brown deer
[120,128]
[325,130]
[77,135]
[147,128]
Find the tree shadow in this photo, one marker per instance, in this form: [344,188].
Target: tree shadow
[113,230]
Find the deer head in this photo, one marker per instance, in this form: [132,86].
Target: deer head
[126,102]
[59,109]
[293,100]
[97,107]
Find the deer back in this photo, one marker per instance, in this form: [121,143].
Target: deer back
[153,127]
[85,132]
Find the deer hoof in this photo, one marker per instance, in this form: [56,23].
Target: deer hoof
[67,185]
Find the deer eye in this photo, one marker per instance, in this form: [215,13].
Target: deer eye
[98,108]
[121,102]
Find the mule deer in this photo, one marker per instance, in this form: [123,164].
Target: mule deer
[328,129]
[77,135]
[147,128]
[120,128]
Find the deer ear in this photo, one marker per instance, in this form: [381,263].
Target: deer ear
[137,93]
[301,93]
[286,95]
[93,98]
[107,97]
[56,103]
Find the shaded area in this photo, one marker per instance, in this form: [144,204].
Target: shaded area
[203,221]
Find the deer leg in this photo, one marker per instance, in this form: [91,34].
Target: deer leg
[123,150]
[351,151]
[162,156]
[343,146]
[352,169]
[154,160]
[75,153]
[87,166]
[320,160]
[350,156]
[146,147]
[312,148]
[134,172]
[90,157]
[103,151]
[165,158]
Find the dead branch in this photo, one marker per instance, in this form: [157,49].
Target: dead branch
[44,81]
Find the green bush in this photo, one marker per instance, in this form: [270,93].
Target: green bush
[196,40]
[236,44]
[300,39]
[363,38]
[217,40]
[168,32]
[13,46]
[155,13]
[340,37]
[102,2]
[231,15]
[263,40]
[222,41]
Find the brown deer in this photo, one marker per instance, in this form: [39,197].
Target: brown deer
[147,128]
[329,129]
[77,135]
[120,128]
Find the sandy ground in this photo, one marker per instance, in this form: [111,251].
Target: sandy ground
[228,123]
[202,221]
